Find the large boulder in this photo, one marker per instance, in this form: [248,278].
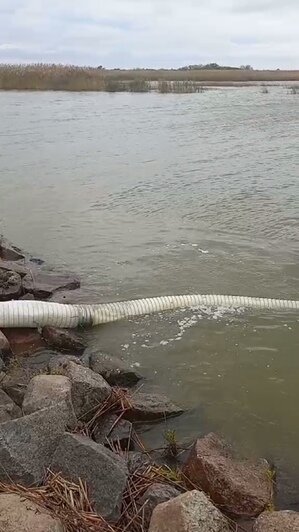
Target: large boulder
[114,370]
[20,372]
[64,340]
[284,521]
[104,472]
[89,390]
[10,285]
[192,511]
[18,514]
[43,284]
[113,431]
[27,444]
[147,407]
[154,495]
[46,390]
[8,409]
[241,488]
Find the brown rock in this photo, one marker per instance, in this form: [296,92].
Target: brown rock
[23,341]
[114,430]
[10,285]
[43,285]
[190,512]
[21,515]
[10,252]
[147,406]
[284,521]
[46,390]
[154,495]
[8,409]
[64,340]
[241,488]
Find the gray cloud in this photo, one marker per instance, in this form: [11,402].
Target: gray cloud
[156,33]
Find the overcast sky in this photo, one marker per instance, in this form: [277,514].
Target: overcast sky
[151,33]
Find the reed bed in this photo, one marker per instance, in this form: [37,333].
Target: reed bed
[74,78]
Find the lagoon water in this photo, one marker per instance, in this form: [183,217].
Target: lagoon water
[148,194]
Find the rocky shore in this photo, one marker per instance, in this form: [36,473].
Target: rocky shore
[71,451]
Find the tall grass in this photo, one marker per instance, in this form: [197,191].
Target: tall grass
[73,78]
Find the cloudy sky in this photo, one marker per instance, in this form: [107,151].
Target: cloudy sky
[151,33]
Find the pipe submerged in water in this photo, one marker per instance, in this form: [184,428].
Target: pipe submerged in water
[45,313]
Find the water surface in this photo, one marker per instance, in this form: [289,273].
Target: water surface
[151,194]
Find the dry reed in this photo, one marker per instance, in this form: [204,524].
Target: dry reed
[74,78]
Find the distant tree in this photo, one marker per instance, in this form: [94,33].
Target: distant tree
[246,67]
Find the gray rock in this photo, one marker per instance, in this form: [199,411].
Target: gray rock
[2,365]
[154,495]
[138,461]
[27,297]
[43,284]
[147,406]
[15,383]
[191,511]
[18,514]
[64,340]
[114,370]
[46,390]
[58,364]
[13,266]
[27,444]
[10,252]
[10,285]
[8,409]
[21,371]
[89,390]
[5,349]
[114,430]
[284,521]
[104,472]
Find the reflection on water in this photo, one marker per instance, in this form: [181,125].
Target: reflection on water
[153,194]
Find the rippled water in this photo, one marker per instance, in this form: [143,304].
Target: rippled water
[158,194]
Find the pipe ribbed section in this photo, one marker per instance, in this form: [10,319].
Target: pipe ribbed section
[42,313]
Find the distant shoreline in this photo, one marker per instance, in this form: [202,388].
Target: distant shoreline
[71,78]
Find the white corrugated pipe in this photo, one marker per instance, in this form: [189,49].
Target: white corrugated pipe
[42,313]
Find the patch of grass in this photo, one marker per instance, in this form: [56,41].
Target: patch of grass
[172,445]
[139,85]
